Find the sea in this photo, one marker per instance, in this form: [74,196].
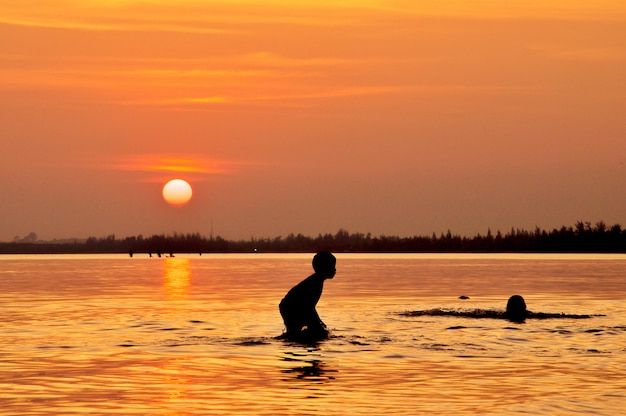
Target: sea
[199,334]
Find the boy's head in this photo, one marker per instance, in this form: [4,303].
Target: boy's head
[516,308]
[324,263]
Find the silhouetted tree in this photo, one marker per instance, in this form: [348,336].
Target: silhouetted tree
[583,237]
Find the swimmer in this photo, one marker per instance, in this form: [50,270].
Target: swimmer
[515,312]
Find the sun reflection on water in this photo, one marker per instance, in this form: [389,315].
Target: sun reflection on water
[176,278]
[174,385]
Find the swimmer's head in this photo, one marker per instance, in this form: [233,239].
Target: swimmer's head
[516,309]
[324,263]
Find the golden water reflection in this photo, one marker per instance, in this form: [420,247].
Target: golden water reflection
[176,278]
[105,339]
[307,371]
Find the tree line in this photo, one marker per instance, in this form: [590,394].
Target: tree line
[582,237]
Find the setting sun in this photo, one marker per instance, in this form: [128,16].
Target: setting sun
[177,192]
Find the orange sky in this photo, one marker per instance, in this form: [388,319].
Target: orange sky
[389,117]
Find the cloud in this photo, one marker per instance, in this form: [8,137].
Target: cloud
[236,17]
[181,16]
[580,53]
[593,55]
[278,98]
[310,97]
[158,163]
[265,59]
[511,9]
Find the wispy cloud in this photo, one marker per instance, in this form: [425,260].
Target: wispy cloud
[137,26]
[593,54]
[158,163]
[268,59]
[580,53]
[511,9]
[236,16]
[311,98]
[279,98]
[181,16]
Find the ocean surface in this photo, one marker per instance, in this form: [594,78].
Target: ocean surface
[196,335]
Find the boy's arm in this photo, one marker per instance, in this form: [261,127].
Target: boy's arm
[318,318]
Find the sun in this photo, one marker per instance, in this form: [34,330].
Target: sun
[177,192]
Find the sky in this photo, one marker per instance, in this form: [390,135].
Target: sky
[386,117]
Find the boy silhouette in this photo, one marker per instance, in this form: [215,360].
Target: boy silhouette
[298,306]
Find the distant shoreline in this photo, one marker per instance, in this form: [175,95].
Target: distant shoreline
[581,238]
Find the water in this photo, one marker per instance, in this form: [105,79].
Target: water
[191,335]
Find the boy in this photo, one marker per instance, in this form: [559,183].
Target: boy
[298,306]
